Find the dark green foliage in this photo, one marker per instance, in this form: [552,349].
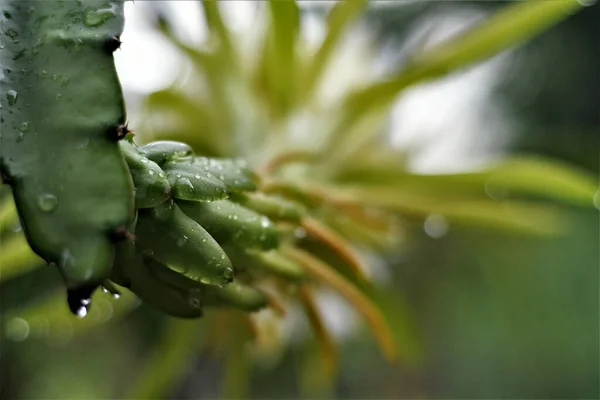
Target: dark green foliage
[61,109]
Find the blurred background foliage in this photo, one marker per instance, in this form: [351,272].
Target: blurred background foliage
[488,276]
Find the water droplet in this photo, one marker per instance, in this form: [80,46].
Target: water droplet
[98,17]
[181,241]
[17,329]
[265,222]
[108,287]
[20,137]
[55,77]
[42,74]
[11,33]
[178,175]
[84,144]
[300,233]
[47,202]
[161,174]
[24,127]
[185,184]
[197,176]
[436,226]
[11,96]
[58,96]
[195,302]
[80,300]
[163,212]
[228,273]
[81,311]
[144,160]
[150,172]
[203,240]
[206,281]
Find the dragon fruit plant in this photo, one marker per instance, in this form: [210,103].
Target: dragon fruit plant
[227,209]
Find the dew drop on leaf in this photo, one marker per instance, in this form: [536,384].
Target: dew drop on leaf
[11,96]
[181,241]
[47,202]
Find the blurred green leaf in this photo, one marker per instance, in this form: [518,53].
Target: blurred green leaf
[219,30]
[510,27]
[16,258]
[338,19]
[62,324]
[284,27]
[520,175]
[177,346]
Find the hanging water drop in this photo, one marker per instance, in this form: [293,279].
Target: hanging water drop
[80,300]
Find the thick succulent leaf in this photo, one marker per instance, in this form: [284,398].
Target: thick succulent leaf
[269,263]
[275,208]
[230,223]
[192,182]
[58,143]
[235,295]
[182,244]
[164,150]
[235,174]
[174,301]
[151,185]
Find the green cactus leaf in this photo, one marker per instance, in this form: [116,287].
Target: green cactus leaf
[230,223]
[163,150]
[274,207]
[62,111]
[233,173]
[182,244]
[188,183]
[151,184]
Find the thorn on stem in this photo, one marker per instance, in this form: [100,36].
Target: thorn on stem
[113,44]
